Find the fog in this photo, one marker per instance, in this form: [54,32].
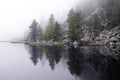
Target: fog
[17,15]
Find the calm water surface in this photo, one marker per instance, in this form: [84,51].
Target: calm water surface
[23,62]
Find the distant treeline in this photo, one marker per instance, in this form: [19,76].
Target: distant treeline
[73,28]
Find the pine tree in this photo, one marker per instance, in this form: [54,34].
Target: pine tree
[50,27]
[75,21]
[57,32]
[40,33]
[33,31]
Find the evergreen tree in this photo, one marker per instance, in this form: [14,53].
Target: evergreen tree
[40,33]
[50,28]
[57,32]
[113,13]
[96,22]
[33,31]
[75,21]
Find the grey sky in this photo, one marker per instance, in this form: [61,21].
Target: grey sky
[17,15]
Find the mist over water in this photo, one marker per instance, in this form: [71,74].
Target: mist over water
[26,62]
[72,47]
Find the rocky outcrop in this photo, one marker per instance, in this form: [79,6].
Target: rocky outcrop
[107,36]
[96,36]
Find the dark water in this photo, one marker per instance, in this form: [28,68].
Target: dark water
[22,62]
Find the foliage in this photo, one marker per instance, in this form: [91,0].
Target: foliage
[53,30]
[40,36]
[113,10]
[74,20]
[57,32]
[97,23]
[50,27]
[108,19]
[33,31]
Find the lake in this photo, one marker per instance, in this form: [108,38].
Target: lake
[25,62]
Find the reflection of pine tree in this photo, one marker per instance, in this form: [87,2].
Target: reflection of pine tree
[75,60]
[52,64]
[34,56]
[53,55]
[36,52]
[40,52]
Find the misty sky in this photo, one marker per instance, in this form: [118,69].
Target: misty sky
[17,15]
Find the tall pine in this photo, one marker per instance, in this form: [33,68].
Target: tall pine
[75,21]
[50,28]
[33,31]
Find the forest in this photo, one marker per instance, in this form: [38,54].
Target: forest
[95,25]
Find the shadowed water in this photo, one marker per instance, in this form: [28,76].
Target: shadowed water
[25,62]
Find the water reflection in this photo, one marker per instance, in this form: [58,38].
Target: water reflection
[36,53]
[53,55]
[75,60]
[84,63]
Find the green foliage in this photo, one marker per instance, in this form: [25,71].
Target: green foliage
[113,10]
[50,27]
[57,32]
[33,31]
[75,21]
[53,30]
[40,33]
[97,23]
[115,17]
